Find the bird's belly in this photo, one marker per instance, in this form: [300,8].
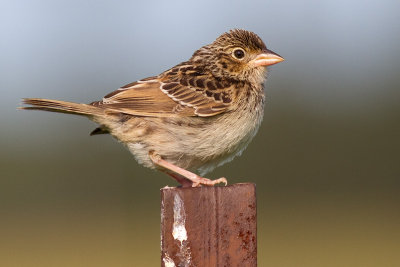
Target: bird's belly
[196,144]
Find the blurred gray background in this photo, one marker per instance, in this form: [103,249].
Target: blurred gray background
[325,161]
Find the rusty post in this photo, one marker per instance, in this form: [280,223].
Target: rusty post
[209,226]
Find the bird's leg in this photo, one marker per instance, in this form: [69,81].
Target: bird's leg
[179,173]
[180,179]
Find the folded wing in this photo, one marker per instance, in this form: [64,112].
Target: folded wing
[177,91]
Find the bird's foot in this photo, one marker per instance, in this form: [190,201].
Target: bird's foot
[199,181]
[184,177]
[196,181]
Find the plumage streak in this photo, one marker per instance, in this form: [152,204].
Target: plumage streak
[193,117]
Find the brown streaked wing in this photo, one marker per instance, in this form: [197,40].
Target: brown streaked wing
[199,92]
[142,98]
[160,98]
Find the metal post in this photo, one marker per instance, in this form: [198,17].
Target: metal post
[209,226]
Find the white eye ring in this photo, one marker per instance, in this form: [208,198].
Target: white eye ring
[238,53]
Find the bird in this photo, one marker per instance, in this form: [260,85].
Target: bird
[191,118]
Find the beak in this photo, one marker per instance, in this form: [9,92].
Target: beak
[267,58]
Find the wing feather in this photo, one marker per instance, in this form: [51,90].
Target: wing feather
[184,91]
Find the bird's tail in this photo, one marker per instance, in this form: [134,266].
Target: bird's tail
[62,107]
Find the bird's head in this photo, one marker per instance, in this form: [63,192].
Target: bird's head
[237,54]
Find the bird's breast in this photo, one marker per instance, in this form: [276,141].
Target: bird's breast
[229,134]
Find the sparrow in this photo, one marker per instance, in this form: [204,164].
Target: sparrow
[191,118]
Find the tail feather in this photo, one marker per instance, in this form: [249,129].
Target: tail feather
[62,107]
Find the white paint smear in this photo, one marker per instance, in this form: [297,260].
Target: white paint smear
[179,230]
[168,262]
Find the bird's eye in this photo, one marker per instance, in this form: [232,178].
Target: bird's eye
[238,53]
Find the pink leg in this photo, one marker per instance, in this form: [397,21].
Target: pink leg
[180,179]
[182,173]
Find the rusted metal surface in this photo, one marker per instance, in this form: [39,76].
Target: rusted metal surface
[209,226]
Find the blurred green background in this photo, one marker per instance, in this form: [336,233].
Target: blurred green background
[325,161]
